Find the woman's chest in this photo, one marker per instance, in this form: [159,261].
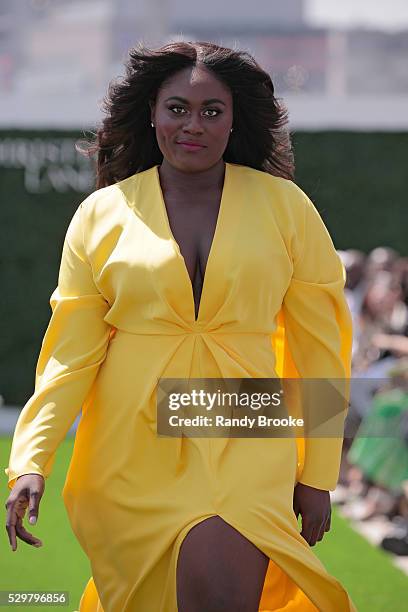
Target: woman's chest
[192,221]
[239,249]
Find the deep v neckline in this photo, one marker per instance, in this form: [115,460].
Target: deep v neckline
[212,254]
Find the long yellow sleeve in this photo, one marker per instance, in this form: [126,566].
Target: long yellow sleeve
[314,337]
[73,348]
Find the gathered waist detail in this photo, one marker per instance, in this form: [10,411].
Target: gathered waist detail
[193,330]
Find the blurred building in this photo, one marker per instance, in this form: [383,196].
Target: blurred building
[61,54]
[58,46]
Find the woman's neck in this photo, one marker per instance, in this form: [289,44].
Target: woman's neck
[176,180]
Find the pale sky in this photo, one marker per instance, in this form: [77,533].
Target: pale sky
[382,14]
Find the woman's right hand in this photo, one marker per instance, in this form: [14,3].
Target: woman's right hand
[27,492]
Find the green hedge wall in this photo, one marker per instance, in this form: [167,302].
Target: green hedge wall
[356,180]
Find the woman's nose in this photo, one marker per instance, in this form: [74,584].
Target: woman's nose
[193,124]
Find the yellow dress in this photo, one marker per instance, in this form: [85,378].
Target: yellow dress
[123,316]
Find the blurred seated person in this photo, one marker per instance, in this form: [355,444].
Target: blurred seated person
[396,541]
[383,339]
[384,311]
[355,287]
[380,259]
[380,449]
[396,341]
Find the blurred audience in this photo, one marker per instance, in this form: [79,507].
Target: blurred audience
[374,473]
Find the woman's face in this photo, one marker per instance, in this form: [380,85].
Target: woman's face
[382,297]
[193,115]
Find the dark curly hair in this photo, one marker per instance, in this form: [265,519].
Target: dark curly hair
[125,143]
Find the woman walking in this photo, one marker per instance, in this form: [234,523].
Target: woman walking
[196,257]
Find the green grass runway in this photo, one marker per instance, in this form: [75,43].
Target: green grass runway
[373,582]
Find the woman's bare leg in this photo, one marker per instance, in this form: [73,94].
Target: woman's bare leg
[219,570]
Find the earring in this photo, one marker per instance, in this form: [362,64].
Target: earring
[231,129]
[152,124]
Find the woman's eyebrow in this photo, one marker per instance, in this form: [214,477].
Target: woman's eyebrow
[210,101]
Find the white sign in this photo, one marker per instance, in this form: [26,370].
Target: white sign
[48,164]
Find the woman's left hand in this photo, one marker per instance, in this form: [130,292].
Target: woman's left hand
[315,509]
